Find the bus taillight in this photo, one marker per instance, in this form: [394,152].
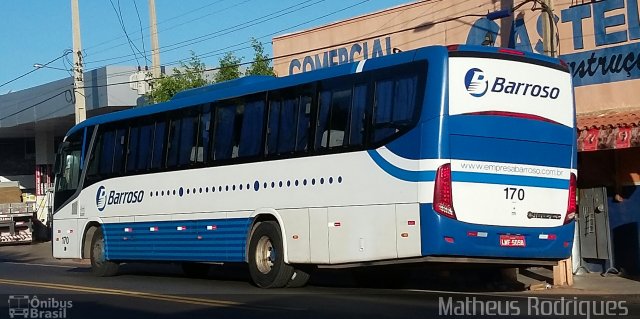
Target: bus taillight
[442,192]
[571,205]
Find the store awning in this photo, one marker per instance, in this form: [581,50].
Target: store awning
[610,129]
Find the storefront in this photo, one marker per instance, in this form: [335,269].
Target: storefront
[600,40]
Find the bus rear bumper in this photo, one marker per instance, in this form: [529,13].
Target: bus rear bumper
[443,236]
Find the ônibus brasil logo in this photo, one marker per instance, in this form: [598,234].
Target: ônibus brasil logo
[477,84]
[116,198]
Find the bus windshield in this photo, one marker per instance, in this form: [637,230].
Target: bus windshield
[68,170]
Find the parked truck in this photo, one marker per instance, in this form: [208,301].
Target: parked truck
[16,216]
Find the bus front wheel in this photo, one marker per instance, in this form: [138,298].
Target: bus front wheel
[266,257]
[100,266]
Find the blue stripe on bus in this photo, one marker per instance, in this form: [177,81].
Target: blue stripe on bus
[510,180]
[435,228]
[488,149]
[195,243]
[511,128]
[399,173]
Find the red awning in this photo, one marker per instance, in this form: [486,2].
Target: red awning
[610,129]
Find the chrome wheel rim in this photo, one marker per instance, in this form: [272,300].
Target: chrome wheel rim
[265,255]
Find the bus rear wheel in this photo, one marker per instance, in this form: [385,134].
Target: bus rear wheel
[266,257]
[100,266]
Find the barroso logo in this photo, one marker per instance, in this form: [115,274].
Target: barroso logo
[475,82]
[101,198]
[112,197]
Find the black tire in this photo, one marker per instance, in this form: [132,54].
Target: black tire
[195,270]
[266,257]
[299,278]
[100,266]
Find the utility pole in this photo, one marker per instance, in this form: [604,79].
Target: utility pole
[155,47]
[548,34]
[78,80]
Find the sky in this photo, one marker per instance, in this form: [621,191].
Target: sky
[39,31]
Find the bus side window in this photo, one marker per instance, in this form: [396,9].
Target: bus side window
[106,152]
[273,126]
[188,132]
[340,108]
[322,126]
[94,159]
[358,115]
[395,102]
[333,118]
[251,131]
[119,150]
[224,134]
[173,141]
[304,121]
[158,143]
[287,129]
[133,147]
[203,141]
[145,147]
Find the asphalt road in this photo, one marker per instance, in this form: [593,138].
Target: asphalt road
[33,282]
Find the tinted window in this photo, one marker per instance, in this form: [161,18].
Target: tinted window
[188,137]
[106,152]
[133,148]
[395,101]
[145,147]
[159,138]
[358,116]
[251,131]
[224,139]
[334,117]
[173,147]
[119,150]
[204,129]
[304,123]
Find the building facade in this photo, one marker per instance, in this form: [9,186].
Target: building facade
[34,121]
[600,40]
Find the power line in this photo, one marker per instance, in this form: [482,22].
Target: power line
[36,69]
[146,28]
[118,12]
[225,31]
[43,101]
[169,28]
[141,33]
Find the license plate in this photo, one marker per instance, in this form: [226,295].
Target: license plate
[512,241]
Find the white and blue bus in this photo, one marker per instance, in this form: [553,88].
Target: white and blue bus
[456,153]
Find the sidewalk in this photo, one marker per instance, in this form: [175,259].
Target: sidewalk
[587,284]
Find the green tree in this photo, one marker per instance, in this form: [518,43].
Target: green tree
[190,75]
[229,68]
[261,64]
